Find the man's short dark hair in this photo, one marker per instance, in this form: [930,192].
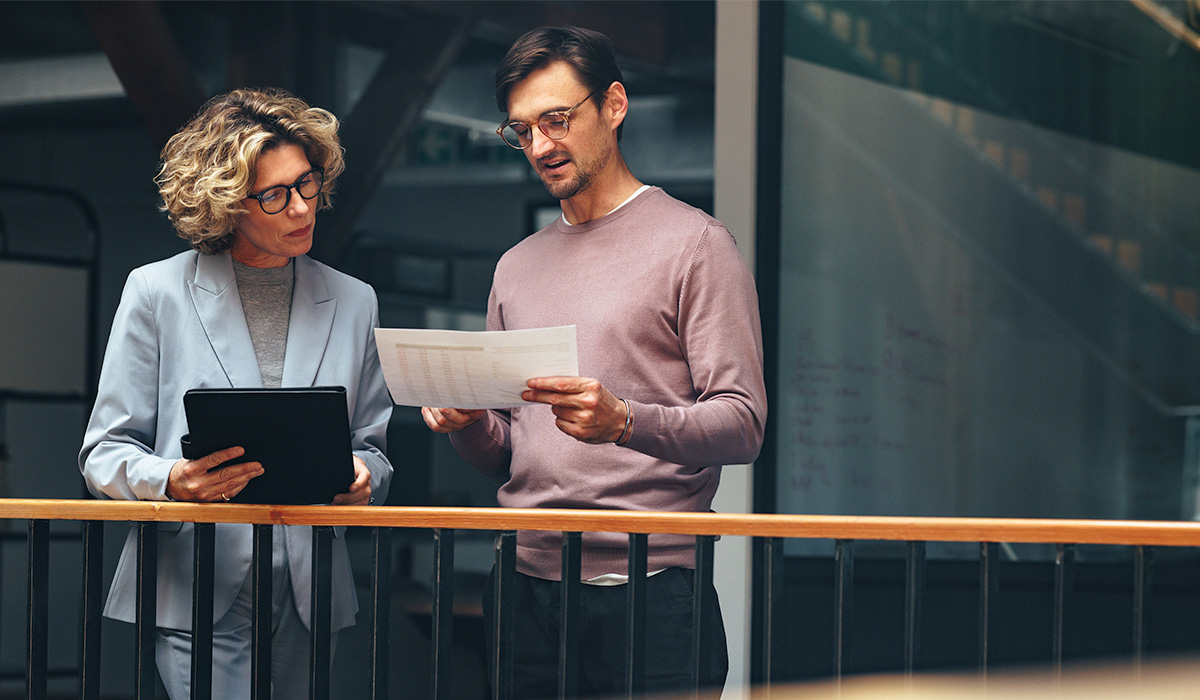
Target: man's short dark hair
[589,52]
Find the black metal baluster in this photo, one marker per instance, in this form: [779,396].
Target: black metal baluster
[701,635]
[914,594]
[989,598]
[2,574]
[321,612]
[1064,584]
[843,607]
[568,642]
[635,616]
[501,666]
[260,634]
[37,646]
[768,584]
[443,611]
[381,609]
[146,593]
[204,564]
[91,607]
[1143,583]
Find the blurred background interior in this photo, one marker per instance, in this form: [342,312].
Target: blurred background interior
[976,250]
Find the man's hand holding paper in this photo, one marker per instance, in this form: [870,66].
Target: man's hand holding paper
[582,407]
[471,370]
[448,420]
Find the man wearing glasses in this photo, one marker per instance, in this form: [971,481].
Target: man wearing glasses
[667,324]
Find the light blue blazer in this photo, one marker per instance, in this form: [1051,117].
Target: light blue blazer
[180,326]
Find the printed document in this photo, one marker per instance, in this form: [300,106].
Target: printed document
[472,369]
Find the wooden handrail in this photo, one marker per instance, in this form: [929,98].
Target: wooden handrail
[1027,530]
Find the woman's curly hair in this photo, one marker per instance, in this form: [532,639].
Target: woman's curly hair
[208,167]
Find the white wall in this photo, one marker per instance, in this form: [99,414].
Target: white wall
[733,203]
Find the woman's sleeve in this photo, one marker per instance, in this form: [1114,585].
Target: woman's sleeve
[372,412]
[117,459]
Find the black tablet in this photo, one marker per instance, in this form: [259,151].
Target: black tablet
[300,435]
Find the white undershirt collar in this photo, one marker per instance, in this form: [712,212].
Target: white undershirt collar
[636,192]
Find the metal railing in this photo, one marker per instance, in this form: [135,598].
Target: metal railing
[769,533]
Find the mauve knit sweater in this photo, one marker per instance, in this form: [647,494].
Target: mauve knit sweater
[667,318]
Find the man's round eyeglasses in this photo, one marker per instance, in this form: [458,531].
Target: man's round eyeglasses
[275,199]
[554,125]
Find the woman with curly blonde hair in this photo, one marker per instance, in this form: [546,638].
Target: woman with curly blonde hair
[208,167]
[246,307]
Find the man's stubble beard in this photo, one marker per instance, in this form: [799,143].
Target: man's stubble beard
[585,174]
[570,188]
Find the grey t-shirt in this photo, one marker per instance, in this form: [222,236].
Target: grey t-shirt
[267,303]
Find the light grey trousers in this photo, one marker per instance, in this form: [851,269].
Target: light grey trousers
[291,644]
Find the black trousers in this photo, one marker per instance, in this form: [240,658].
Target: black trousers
[537,619]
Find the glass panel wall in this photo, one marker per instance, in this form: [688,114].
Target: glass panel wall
[989,292]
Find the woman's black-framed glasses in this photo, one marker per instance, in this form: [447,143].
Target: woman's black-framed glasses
[554,125]
[275,199]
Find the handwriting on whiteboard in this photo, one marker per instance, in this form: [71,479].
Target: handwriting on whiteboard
[857,414]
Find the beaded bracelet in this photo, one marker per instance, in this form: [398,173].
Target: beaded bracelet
[628,422]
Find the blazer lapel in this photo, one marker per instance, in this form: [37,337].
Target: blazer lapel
[310,325]
[215,297]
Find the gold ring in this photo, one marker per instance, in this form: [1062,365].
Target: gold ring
[225,497]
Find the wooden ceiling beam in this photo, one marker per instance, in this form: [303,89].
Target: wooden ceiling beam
[373,134]
[149,63]
[653,33]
